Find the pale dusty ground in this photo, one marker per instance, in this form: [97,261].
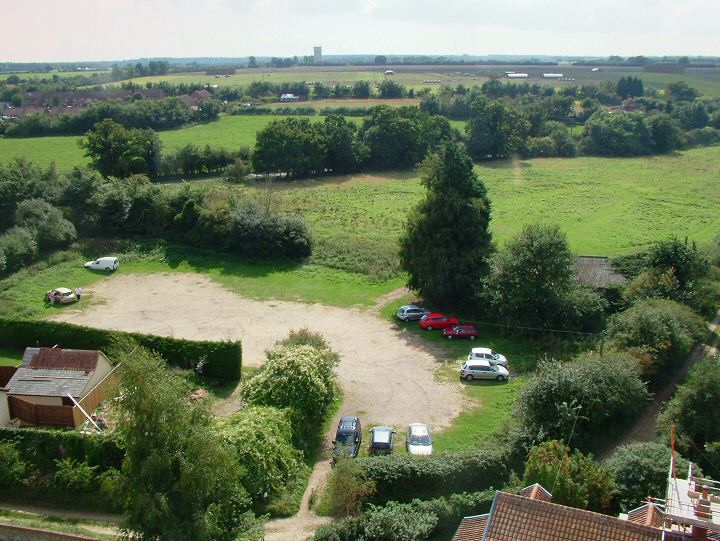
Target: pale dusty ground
[386,374]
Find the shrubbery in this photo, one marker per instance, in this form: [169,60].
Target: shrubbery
[659,333]
[262,438]
[641,470]
[403,477]
[589,397]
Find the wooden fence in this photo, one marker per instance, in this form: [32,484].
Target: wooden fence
[6,372]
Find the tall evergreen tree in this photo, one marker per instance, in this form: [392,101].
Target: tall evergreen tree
[447,241]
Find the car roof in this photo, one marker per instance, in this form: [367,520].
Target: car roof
[348,423]
[478,362]
[418,428]
[62,290]
[436,314]
[410,306]
[480,350]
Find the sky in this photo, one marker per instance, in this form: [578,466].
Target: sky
[86,30]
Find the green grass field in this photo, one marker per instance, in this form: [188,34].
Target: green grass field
[10,357]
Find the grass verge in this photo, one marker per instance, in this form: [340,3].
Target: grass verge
[91,529]
[10,357]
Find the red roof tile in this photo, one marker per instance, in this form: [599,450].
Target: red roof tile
[514,518]
[65,359]
[471,528]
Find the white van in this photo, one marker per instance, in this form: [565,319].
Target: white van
[103,263]
[486,354]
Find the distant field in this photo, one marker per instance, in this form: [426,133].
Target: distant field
[605,206]
[706,81]
[321,104]
[231,132]
[48,75]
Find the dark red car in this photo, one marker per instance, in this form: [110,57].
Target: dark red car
[464,330]
[436,320]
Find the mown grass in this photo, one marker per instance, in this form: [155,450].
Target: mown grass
[10,357]
[57,524]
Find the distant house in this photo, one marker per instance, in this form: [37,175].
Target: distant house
[200,95]
[597,272]
[289,97]
[515,75]
[50,382]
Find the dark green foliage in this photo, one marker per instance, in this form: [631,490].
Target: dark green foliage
[52,231]
[702,137]
[192,160]
[565,145]
[391,89]
[13,467]
[660,333]
[220,360]
[641,470]
[398,520]
[695,410]
[681,91]
[116,151]
[401,137]
[43,447]
[691,116]
[447,242]
[21,180]
[573,479]
[590,397]
[293,146]
[72,475]
[495,130]
[347,488]
[617,134]
[180,480]
[630,87]
[345,154]
[532,283]
[18,248]
[403,477]
[685,261]
[665,132]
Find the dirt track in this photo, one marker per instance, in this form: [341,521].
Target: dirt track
[386,374]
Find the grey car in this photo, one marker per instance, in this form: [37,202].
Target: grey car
[482,369]
[411,312]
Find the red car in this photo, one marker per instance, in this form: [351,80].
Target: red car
[464,330]
[436,320]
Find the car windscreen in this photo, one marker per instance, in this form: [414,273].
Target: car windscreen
[345,439]
[420,439]
[381,444]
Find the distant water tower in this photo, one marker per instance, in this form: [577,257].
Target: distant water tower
[317,55]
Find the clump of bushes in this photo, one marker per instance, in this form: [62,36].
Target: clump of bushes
[588,396]
[659,333]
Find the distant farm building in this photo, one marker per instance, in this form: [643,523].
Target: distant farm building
[517,75]
[552,75]
[389,72]
[289,97]
[317,55]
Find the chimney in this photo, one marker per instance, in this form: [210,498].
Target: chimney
[703,512]
[699,534]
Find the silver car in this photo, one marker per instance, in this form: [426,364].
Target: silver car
[481,369]
[411,312]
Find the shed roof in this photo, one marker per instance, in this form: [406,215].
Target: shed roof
[61,359]
[597,272]
[44,382]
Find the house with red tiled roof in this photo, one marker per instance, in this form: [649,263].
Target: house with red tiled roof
[52,382]
[532,516]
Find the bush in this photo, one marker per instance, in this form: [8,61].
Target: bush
[702,137]
[617,134]
[398,522]
[220,360]
[640,470]
[660,333]
[72,475]
[262,438]
[573,479]
[44,447]
[347,489]
[13,467]
[301,378]
[402,477]
[589,397]
[19,248]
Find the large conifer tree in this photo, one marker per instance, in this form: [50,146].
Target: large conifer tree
[447,242]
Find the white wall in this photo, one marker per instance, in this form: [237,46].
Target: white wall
[4,409]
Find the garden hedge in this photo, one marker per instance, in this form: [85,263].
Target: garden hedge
[404,477]
[41,447]
[222,360]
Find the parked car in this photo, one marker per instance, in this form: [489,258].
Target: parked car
[436,320]
[418,440]
[103,263]
[464,330]
[411,312]
[347,438]
[61,295]
[471,370]
[487,354]
[381,440]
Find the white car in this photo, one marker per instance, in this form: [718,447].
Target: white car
[482,369]
[487,354]
[418,440]
[103,263]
